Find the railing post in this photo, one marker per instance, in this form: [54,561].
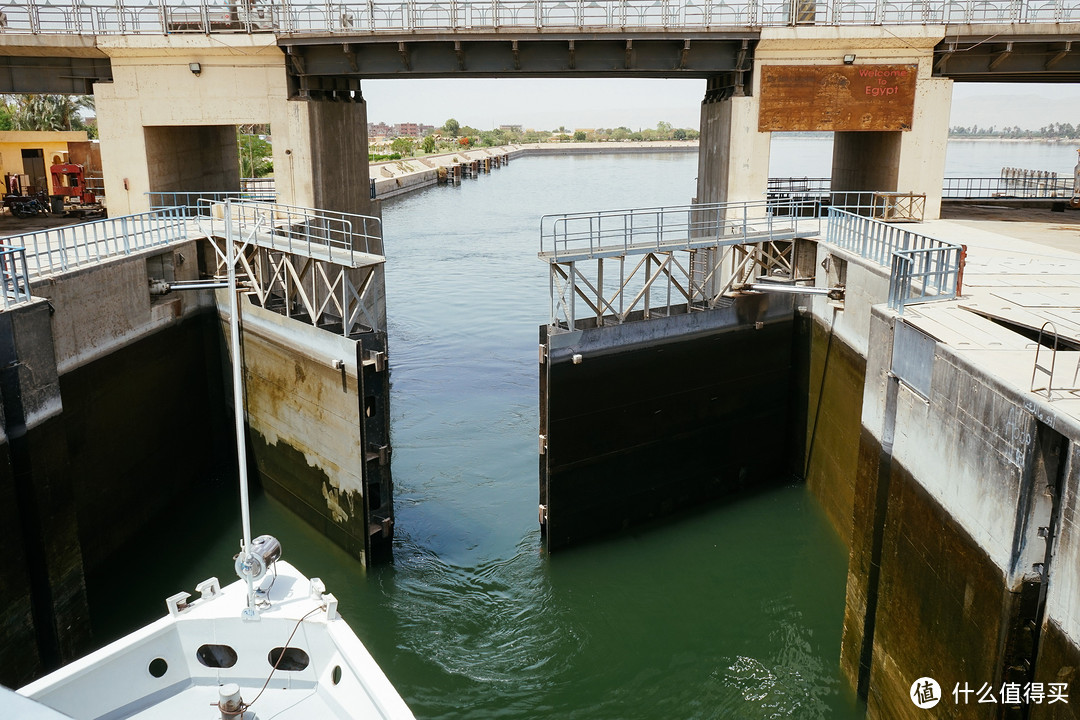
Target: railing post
[573,291]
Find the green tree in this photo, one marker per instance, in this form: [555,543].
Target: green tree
[402,145]
[49,112]
[451,126]
[256,156]
[429,144]
[663,130]
[579,136]
[679,134]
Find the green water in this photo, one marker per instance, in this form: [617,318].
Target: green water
[734,611]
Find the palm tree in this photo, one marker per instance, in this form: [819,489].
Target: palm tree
[49,112]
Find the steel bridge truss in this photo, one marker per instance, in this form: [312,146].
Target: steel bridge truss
[337,289]
[601,291]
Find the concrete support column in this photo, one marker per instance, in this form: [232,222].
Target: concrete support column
[922,149]
[324,162]
[900,161]
[733,157]
[865,161]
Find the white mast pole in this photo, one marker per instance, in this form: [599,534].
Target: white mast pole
[238,409]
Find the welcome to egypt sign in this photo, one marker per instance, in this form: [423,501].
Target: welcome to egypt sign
[836,98]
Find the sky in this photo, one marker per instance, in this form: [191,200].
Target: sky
[545,104]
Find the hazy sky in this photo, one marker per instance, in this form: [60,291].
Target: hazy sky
[545,104]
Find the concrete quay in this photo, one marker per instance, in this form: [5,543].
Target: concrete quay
[397,177]
[952,476]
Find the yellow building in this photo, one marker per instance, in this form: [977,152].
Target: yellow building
[32,153]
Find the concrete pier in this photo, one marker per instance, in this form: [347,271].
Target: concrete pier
[958,502]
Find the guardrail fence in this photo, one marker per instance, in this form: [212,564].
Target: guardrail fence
[16,276]
[922,268]
[574,236]
[62,248]
[316,266]
[108,17]
[197,202]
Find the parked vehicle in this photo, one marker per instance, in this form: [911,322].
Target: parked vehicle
[24,206]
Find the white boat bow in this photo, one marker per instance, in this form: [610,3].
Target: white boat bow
[182,665]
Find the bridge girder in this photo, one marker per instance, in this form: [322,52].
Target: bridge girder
[53,75]
[1005,58]
[328,61]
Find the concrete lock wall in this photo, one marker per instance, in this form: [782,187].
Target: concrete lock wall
[95,351]
[948,494]
[320,145]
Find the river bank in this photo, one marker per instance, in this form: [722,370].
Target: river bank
[397,177]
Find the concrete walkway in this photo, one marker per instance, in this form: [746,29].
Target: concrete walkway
[1023,270]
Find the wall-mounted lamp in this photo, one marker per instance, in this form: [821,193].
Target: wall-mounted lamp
[196,68]
[848,60]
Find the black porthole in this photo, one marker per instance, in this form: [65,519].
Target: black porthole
[288,659]
[335,675]
[216,656]
[158,667]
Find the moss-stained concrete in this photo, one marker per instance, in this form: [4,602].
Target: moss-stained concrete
[942,608]
[1059,662]
[834,411]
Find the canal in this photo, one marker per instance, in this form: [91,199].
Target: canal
[734,611]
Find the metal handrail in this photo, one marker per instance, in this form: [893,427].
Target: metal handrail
[62,248]
[921,267]
[16,276]
[195,202]
[1007,187]
[107,17]
[568,237]
[295,229]
[1035,186]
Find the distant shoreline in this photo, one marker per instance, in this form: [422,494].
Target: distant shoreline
[990,138]
[397,177]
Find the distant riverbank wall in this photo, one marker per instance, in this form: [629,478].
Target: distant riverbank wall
[397,177]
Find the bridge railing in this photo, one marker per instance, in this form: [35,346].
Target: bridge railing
[105,17]
[196,203]
[63,248]
[1007,187]
[296,230]
[572,236]
[808,189]
[922,268]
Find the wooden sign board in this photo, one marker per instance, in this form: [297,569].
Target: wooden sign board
[836,97]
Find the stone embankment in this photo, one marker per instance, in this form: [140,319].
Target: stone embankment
[396,177]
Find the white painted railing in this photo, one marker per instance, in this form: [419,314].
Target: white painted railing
[112,17]
[16,276]
[922,268]
[63,248]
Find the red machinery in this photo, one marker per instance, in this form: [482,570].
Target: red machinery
[68,180]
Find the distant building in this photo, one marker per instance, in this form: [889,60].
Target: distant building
[511,128]
[412,129]
[379,130]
